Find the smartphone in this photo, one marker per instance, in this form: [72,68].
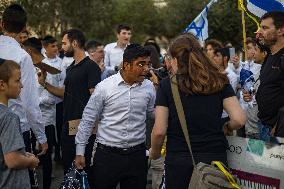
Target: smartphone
[232,52]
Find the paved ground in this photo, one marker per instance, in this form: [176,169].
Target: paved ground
[58,177]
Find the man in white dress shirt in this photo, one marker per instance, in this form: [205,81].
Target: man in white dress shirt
[47,101]
[50,45]
[114,51]
[120,105]
[26,106]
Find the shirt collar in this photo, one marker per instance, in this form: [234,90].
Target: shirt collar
[52,60]
[120,80]
[116,46]
[10,40]
[81,62]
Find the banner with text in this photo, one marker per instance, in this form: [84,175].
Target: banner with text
[256,164]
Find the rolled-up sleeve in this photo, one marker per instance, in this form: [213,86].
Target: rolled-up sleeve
[30,98]
[91,114]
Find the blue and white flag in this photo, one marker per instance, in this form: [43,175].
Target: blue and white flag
[199,26]
[260,7]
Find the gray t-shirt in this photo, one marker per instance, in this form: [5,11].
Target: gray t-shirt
[11,140]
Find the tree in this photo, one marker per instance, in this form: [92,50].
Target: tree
[178,14]
[142,15]
[99,18]
[224,19]
[225,23]
[43,17]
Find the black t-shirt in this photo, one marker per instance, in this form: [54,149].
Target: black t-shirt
[270,93]
[203,116]
[79,79]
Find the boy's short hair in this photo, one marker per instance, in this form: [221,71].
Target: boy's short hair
[134,51]
[277,17]
[223,51]
[48,40]
[92,44]
[75,34]
[122,27]
[250,40]
[6,69]
[33,42]
[214,43]
[14,18]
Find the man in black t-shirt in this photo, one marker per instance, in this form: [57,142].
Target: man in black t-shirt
[270,94]
[81,78]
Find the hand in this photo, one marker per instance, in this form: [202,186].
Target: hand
[34,162]
[43,148]
[246,96]
[236,61]
[80,162]
[227,130]
[102,66]
[154,78]
[41,77]
[29,154]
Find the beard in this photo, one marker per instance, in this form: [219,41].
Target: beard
[270,40]
[69,52]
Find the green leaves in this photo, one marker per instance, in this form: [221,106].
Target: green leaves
[99,18]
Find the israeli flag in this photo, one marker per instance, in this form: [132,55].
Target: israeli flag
[260,7]
[199,26]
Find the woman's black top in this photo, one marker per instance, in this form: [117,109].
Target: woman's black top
[203,116]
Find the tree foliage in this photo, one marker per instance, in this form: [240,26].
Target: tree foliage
[98,18]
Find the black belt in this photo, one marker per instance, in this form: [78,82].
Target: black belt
[118,150]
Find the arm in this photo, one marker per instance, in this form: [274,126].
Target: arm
[235,112]
[12,142]
[30,99]
[91,114]
[17,160]
[159,131]
[94,77]
[56,91]
[151,104]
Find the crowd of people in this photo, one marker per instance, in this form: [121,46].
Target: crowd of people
[108,109]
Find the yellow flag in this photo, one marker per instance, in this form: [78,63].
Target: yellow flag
[242,8]
[239,4]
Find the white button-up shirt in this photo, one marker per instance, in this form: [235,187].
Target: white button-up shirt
[26,106]
[120,110]
[47,101]
[113,55]
[233,79]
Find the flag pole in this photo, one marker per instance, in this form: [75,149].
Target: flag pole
[244,30]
